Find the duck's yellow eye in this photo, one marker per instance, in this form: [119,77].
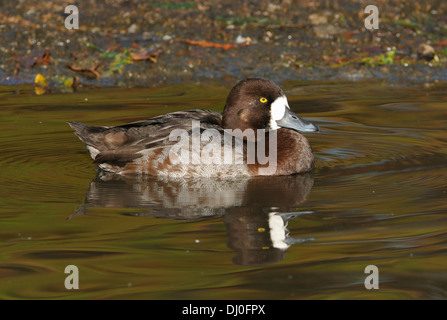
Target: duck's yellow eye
[263,100]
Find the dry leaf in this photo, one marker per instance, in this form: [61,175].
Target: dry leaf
[144,55]
[207,44]
[89,73]
[41,84]
[29,61]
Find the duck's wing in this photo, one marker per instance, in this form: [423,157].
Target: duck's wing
[155,130]
[121,144]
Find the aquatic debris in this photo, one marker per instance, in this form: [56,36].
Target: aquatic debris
[122,58]
[30,60]
[207,44]
[381,59]
[119,62]
[66,84]
[144,55]
[41,84]
[89,73]
[104,53]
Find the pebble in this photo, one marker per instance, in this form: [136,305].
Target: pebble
[132,29]
[426,52]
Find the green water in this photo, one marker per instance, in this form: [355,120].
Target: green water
[377,197]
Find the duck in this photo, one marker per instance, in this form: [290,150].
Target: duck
[257,134]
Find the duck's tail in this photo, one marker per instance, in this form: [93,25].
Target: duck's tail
[91,136]
[105,144]
[86,133]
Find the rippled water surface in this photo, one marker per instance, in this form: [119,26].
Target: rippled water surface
[377,197]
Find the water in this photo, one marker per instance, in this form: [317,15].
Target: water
[377,197]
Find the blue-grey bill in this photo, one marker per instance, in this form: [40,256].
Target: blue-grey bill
[292,121]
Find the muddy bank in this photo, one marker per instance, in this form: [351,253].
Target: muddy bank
[147,43]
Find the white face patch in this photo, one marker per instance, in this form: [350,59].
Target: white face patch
[277,110]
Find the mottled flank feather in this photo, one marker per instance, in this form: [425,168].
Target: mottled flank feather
[119,149]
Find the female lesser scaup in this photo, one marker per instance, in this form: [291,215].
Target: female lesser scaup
[254,105]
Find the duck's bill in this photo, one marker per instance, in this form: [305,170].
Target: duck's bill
[292,121]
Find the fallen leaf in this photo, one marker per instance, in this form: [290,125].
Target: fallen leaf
[29,61]
[69,82]
[144,55]
[441,43]
[118,64]
[207,44]
[41,84]
[112,47]
[46,59]
[40,80]
[89,73]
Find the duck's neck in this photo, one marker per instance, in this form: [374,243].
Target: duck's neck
[288,153]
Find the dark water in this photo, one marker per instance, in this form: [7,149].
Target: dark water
[377,197]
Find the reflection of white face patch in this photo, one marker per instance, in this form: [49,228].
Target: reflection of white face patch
[277,231]
[277,110]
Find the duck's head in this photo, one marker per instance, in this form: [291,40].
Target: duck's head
[256,103]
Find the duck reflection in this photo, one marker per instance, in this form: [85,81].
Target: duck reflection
[255,210]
